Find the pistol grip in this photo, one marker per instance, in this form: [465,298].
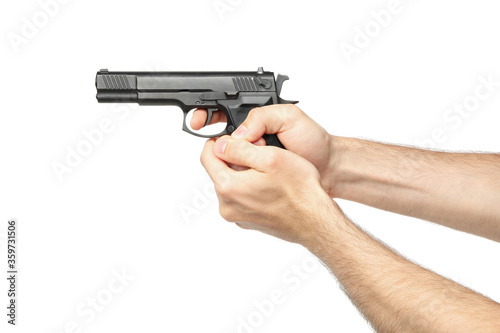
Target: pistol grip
[272,140]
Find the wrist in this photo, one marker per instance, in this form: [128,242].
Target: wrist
[339,150]
[324,219]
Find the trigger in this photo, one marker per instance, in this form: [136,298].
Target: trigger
[210,113]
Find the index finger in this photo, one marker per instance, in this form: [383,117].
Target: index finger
[200,117]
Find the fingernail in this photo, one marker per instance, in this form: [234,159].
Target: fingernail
[220,146]
[240,132]
[259,142]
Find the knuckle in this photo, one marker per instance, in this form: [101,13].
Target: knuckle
[291,111]
[247,150]
[203,158]
[227,213]
[221,190]
[222,179]
[272,159]
[225,191]
[256,113]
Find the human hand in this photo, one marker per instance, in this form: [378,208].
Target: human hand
[298,133]
[279,194]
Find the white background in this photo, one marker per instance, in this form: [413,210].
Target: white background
[120,208]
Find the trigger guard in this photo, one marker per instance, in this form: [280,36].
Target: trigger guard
[227,131]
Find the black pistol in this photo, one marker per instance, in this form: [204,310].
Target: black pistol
[234,93]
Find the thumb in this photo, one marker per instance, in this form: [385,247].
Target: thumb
[264,120]
[244,153]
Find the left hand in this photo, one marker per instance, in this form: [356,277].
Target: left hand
[280,193]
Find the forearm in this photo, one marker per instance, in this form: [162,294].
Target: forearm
[458,190]
[394,294]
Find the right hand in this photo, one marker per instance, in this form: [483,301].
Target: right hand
[298,133]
